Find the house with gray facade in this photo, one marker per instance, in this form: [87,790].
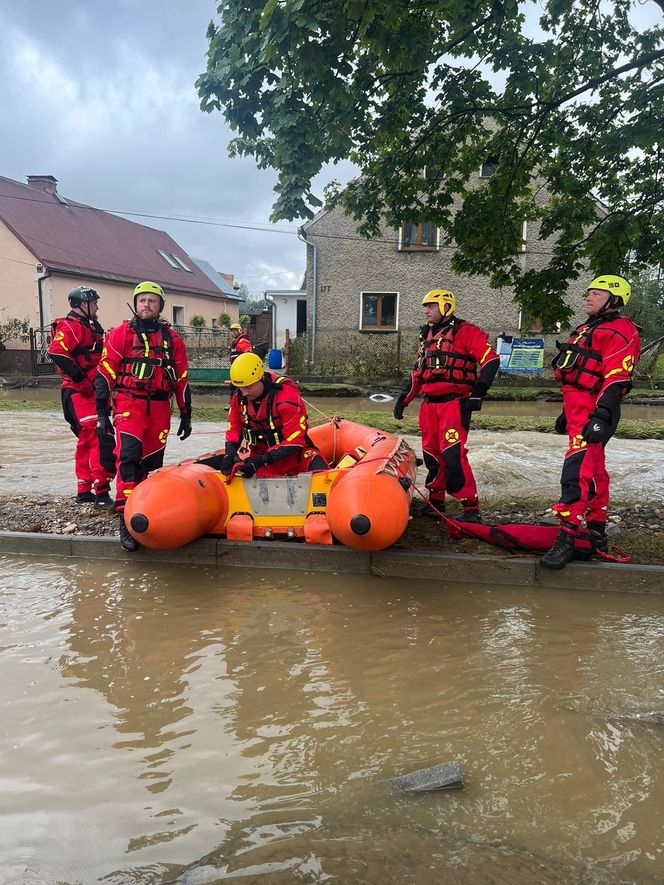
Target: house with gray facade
[365,294]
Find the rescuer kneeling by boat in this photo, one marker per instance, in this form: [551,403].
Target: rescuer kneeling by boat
[268,415]
[454,369]
[595,370]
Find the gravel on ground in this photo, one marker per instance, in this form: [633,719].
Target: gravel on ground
[639,529]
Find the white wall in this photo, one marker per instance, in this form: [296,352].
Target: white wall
[285,313]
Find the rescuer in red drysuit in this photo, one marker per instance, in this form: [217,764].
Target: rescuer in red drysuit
[267,415]
[455,368]
[143,365]
[76,345]
[595,370]
[239,342]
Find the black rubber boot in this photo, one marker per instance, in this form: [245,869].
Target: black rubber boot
[471,511]
[597,532]
[103,500]
[127,541]
[428,512]
[85,498]
[561,553]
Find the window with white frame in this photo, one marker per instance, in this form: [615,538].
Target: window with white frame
[418,236]
[178,315]
[378,311]
[489,166]
[174,261]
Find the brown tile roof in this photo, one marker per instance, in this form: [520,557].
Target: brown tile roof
[67,236]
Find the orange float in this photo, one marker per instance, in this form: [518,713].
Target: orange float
[363,500]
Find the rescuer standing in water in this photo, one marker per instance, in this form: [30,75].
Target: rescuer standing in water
[595,370]
[455,368]
[143,365]
[76,346]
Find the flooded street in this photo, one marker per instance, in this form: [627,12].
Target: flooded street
[36,457]
[192,726]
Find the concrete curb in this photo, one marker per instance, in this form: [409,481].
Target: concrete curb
[513,571]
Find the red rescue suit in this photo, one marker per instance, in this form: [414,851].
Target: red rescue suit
[76,346]
[143,365]
[595,370]
[274,425]
[455,367]
[239,345]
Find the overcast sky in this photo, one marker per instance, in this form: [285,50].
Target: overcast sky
[100,94]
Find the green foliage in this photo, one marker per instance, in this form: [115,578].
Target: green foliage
[224,320]
[197,321]
[646,306]
[12,329]
[243,291]
[255,304]
[571,108]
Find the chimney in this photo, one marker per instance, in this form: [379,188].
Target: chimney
[46,183]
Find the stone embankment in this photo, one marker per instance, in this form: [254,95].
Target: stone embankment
[639,528]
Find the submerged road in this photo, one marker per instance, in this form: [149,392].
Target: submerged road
[36,457]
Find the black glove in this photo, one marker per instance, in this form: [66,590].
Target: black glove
[184,430]
[398,408]
[249,466]
[598,428]
[104,426]
[473,403]
[226,464]
[561,423]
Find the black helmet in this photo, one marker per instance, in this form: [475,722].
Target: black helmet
[82,295]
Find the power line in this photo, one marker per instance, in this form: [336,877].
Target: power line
[251,226]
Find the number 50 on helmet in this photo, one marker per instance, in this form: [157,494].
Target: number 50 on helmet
[613,285]
[443,298]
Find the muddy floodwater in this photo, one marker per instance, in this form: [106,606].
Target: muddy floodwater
[36,456]
[192,726]
[328,406]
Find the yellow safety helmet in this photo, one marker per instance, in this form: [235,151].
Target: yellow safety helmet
[443,298]
[613,285]
[152,289]
[246,369]
[235,326]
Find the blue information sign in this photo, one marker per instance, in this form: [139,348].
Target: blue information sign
[521,354]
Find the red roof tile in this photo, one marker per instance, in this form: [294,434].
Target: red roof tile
[71,237]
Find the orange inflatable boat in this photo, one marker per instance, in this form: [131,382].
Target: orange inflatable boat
[362,501]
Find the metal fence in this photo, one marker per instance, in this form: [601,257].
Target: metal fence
[369,357]
[387,357]
[206,348]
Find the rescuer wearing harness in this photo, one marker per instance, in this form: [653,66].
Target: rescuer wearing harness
[267,415]
[76,346]
[143,365]
[454,369]
[239,342]
[595,370]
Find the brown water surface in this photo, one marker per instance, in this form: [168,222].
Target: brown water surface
[194,726]
[332,405]
[37,457]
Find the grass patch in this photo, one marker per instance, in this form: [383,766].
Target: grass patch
[28,405]
[627,429]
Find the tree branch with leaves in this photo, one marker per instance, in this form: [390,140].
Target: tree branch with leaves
[571,104]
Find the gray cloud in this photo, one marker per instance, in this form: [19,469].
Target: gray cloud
[102,96]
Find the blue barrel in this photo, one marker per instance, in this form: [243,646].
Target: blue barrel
[274,360]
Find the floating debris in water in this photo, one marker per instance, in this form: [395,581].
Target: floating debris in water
[445,776]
